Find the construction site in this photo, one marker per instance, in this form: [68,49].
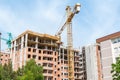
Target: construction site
[57,56]
[59,62]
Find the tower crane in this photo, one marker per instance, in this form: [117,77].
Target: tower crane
[68,22]
[8,41]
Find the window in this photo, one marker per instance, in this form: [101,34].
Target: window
[58,75]
[29,49]
[39,58]
[34,50]
[39,51]
[58,69]
[55,53]
[55,72]
[34,56]
[55,59]
[29,56]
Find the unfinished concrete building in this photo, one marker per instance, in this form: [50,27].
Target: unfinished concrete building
[46,52]
[4,58]
[83,74]
[63,61]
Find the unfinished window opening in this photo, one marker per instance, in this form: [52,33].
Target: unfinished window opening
[24,44]
[61,61]
[44,64]
[61,50]
[50,59]
[58,69]
[53,48]
[65,51]
[39,64]
[49,52]
[29,49]
[50,71]
[39,51]
[44,52]
[49,47]
[44,71]
[55,53]
[50,65]
[45,58]
[55,72]
[58,75]
[65,62]
[34,50]
[34,56]
[55,59]
[39,58]
[41,47]
[29,56]
[61,56]
[65,58]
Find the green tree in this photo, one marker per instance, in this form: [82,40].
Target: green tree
[7,72]
[31,71]
[116,70]
[1,71]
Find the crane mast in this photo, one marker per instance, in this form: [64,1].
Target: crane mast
[68,24]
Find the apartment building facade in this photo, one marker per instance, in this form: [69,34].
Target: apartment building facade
[108,50]
[46,52]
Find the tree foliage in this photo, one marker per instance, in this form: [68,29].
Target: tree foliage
[6,72]
[31,71]
[116,70]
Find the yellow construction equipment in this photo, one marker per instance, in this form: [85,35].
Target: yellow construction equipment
[68,24]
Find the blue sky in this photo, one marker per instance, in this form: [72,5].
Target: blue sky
[96,18]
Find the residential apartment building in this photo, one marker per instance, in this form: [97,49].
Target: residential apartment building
[46,52]
[107,52]
[4,58]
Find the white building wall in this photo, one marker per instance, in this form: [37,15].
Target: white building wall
[110,50]
[91,62]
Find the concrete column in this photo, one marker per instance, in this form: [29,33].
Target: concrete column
[21,51]
[13,61]
[11,52]
[36,45]
[26,38]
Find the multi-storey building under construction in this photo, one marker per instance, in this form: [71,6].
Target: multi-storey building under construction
[46,52]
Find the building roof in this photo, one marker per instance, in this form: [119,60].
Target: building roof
[37,34]
[111,36]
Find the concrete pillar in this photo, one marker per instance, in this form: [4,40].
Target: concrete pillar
[36,45]
[26,38]
[13,61]
[21,51]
